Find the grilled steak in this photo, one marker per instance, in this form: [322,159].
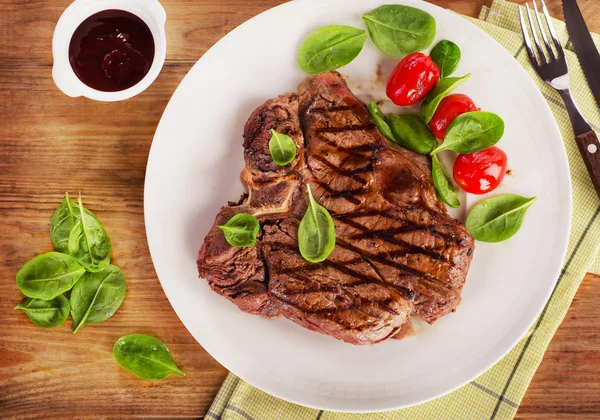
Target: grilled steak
[397,255]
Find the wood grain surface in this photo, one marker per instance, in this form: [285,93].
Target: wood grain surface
[50,144]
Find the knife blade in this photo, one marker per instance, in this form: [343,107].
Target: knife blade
[586,51]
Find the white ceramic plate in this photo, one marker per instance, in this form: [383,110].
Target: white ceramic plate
[193,170]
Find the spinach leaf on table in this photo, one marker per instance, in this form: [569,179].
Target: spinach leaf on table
[498,218]
[241,230]
[64,218]
[46,313]
[61,223]
[412,133]
[282,148]
[400,30]
[433,99]
[330,48]
[145,356]
[445,55]
[88,241]
[49,275]
[97,296]
[316,233]
[472,131]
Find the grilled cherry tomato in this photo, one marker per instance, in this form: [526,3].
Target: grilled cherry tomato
[414,76]
[449,108]
[480,172]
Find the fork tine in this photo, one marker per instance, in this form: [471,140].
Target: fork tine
[559,48]
[536,40]
[542,31]
[526,38]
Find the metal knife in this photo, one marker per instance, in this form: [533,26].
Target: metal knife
[584,46]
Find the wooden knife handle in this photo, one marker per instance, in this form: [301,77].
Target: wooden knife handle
[589,146]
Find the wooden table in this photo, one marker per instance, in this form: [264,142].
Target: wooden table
[50,144]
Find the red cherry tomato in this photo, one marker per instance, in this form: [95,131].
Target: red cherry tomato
[449,108]
[480,172]
[414,76]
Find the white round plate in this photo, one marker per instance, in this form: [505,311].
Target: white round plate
[194,167]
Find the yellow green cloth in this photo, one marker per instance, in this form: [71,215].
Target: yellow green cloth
[497,393]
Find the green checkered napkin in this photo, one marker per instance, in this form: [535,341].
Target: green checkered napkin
[497,393]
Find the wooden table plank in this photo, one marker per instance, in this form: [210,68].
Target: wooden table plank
[50,144]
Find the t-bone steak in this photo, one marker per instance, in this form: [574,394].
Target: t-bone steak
[397,255]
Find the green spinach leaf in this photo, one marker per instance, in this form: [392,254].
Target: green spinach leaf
[330,48]
[282,148]
[316,233]
[433,99]
[443,184]
[241,230]
[64,218]
[97,296]
[61,223]
[412,133]
[46,313]
[400,30]
[472,131]
[381,121]
[498,218]
[145,356]
[446,55]
[88,241]
[49,275]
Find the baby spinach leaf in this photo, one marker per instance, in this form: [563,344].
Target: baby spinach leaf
[49,275]
[97,296]
[63,220]
[498,218]
[46,313]
[433,99]
[411,133]
[400,30]
[282,148]
[241,230]
[145,356]
[443,184]
[88,241]
[446,55]
[381,121]
[316,233]
[330,48]
[472,131]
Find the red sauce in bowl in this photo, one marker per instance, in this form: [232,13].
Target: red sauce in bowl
[111,50]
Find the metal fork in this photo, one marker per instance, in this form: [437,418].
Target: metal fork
[551,66]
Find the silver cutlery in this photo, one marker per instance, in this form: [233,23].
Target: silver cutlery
[551,66]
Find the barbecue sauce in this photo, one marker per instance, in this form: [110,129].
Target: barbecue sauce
[111,50]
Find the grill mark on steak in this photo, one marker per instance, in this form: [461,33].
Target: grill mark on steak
[381,259]
[388,236]
[409,225]
[349,173]
[363,279]
[357,304]
[331,109]
[354,150]
[349,195]
[313,266]
[349,127]
[398,253]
